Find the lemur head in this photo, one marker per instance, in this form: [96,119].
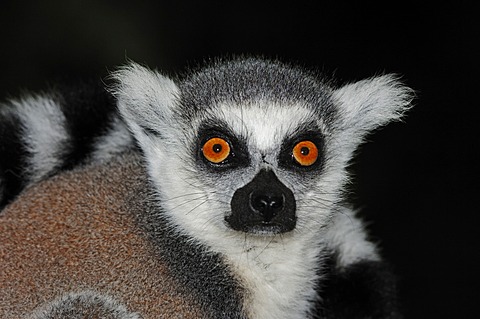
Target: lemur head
[251,147]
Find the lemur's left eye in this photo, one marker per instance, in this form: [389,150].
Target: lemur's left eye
[305,153]
[216,150]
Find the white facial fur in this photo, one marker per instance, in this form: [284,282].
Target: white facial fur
[264,124]
[278,271]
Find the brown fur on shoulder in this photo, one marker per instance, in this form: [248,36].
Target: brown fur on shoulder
[73,240]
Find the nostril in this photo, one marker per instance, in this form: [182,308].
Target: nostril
[268,205]
[276,203]
[259,203]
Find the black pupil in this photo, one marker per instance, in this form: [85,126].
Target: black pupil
[217,148]
[304,151]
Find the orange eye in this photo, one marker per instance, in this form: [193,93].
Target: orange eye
[305,153]
[216,150]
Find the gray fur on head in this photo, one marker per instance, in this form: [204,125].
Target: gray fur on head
[251,80]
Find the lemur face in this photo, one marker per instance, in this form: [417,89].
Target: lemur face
[261,159]
[251,148]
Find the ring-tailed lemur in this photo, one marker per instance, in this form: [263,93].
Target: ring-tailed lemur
[234,210]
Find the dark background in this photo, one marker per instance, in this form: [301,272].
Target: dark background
[416,181]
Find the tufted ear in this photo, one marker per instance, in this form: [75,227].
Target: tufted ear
[146,101]
[368,104]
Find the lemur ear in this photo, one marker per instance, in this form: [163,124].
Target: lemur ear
[146,100]
[369,104]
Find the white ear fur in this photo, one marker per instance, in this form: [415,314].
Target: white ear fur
[146,100]
[369,104]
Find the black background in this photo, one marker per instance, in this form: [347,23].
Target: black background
[415,181]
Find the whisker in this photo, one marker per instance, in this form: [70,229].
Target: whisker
[190,201]
[194,208]
[266,246]
[183,195]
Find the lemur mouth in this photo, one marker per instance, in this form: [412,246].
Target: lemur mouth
[265,206]
[265,229]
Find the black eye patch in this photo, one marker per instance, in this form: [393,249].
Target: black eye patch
[303,151]
[238,154]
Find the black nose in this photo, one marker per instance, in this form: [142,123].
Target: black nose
[263,206]
[266,204]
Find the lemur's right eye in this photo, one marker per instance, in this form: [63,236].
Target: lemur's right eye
[305,153]
[216,150]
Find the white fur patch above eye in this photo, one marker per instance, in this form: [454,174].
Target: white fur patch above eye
[264,124]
